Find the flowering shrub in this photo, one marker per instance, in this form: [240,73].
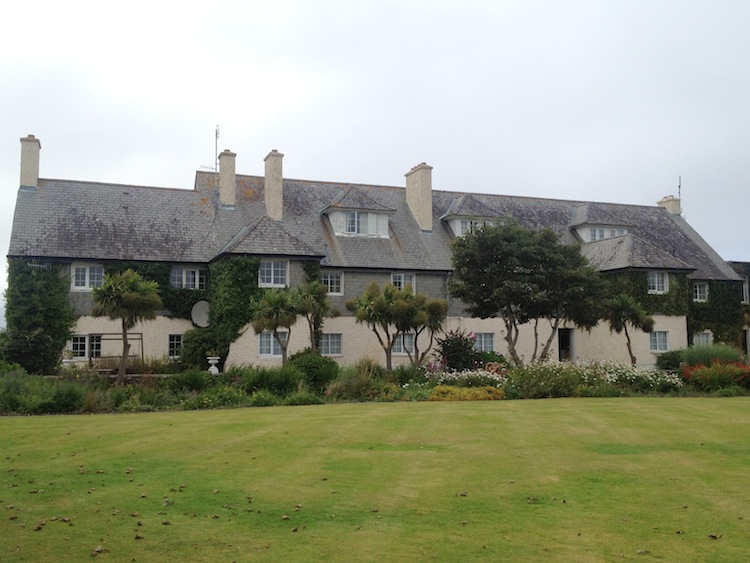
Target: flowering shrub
[629,378]
[448,393]
[456,351]
[719,375]
[470,378]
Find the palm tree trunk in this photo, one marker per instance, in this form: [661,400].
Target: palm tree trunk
[630,347]
[124,357]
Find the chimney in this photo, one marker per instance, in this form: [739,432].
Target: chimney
[274,185]
[227,178]
[671,204]
[30,147]
[419,194]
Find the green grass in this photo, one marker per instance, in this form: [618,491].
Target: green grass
[552,480]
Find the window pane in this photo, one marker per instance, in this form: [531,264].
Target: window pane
[659,341]
[332,281]
[175,345]
[190,279]
[79,278]
[95,345]
[265,274]
[79,347]
[330,344]
[96,276]
[175,277]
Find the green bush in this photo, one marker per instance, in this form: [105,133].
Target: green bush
[318,371]
[279,381]
[190,380]
[457,352]
[264,398]
[669,361]
[538,381]
[405,374]
[217,397]
[303,397]
[707,355]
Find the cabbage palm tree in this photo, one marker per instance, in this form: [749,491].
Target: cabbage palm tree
[276,308]
[131,299]
[622,310]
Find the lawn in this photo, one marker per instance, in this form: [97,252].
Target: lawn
[549,480]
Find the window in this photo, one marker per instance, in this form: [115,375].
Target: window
[332,281]
[746,291]
[79,347]
[469,225]
[330,344]
[404,343]
[700,291]
[702,338]
[175,345]
[659,341]
[272,273]
[86,276]
[400,281]
[268,346]
[599,233]
[485,342]
[188,278]
[364,223]
[658,282]
[86,346]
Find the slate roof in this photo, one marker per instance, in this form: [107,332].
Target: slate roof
[630,252]
[65,220]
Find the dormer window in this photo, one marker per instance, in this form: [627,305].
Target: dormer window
[359,223]
[600,233]
[463,226]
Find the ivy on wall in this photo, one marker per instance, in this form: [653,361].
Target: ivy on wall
[39,316]
[635,283]
[234,283]
[721,314]
[179,302]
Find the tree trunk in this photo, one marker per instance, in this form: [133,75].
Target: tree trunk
[511,337]
[630,348]
[124,358]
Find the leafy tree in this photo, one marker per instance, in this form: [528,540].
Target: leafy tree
[274,309]
[522,275]
[313,304]
[622,310]
[374,308]
[39,317]
[391,312]
[418,314]
[131,299]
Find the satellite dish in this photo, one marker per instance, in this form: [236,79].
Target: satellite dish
[199,314]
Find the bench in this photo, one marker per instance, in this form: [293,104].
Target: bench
[109,365]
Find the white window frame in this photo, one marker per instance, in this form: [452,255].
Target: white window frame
[276,267]
[702,338]
[400,280]
[658,282]
[659,341]
[174,344]
[188,277]
[84,346]
[93,276]
[700,292]
[463,226]
[331,344]
[268,346]
[332,279]
[361,223]
[484,341]
[403,342]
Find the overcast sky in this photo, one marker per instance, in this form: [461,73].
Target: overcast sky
[589,100]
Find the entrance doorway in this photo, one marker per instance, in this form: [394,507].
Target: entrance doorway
[565,344]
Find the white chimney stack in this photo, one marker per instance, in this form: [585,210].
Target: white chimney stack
[419,194]
[227,178]
[30,147]
[671,204]
[274,185]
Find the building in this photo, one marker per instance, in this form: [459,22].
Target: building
[356,234]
